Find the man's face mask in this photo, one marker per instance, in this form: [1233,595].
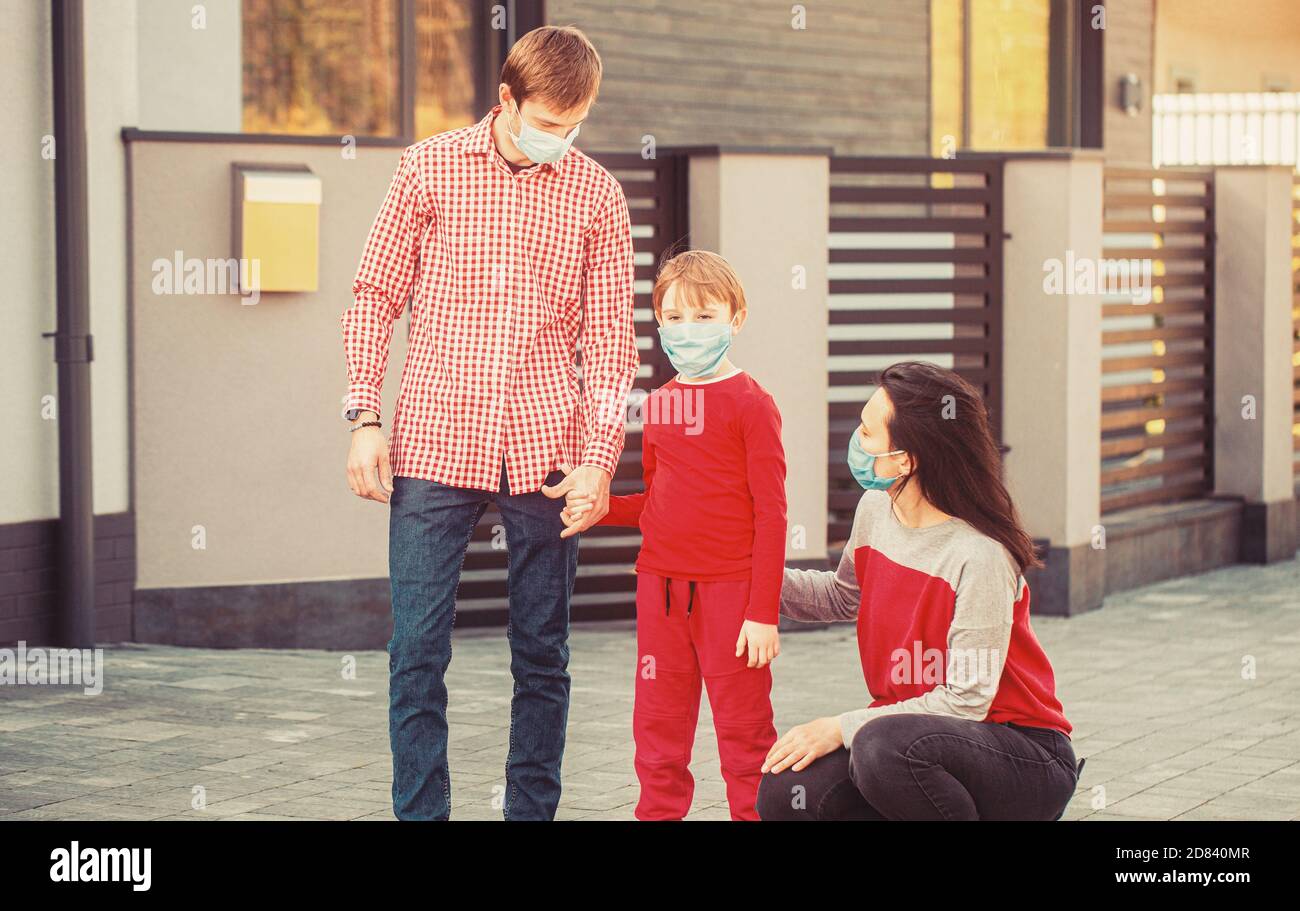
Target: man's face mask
[539,145]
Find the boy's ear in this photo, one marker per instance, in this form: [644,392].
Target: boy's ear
[740,318]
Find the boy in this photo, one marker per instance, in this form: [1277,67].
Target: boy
[713,524]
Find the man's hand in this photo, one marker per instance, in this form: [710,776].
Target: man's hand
[369,474]
[586,495]
[762,641]
[804,744]
[576,505]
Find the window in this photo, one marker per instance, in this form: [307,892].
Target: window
[454,58]
[1012,74]
[407,68]
[321,67]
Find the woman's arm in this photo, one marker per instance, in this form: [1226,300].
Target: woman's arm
[819,594]
[977,642]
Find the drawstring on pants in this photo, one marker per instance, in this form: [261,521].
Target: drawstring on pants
[668,588]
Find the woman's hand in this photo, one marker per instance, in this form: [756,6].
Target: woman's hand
[804,744]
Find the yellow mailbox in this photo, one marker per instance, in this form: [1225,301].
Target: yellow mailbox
[277,227]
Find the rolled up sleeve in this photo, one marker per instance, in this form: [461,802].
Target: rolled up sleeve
[382,284]
[609,353]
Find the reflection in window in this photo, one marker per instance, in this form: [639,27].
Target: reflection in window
[321,67]
[329,67]
[947,76]
[451,58]
[989,74]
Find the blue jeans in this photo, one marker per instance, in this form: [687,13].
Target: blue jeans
[430,525]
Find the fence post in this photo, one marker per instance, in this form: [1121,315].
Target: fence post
[1252,355]
[1052,370]
[766,212]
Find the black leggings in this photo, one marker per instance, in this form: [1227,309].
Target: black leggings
[922,766]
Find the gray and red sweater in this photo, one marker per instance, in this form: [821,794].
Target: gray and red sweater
[943,621]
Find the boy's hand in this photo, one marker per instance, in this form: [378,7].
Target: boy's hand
[586,481]
[762,641]
[576,505]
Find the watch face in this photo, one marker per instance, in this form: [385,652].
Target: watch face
[353,413]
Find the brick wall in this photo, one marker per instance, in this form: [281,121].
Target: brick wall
[1130,44]
[708,71]
[29,580]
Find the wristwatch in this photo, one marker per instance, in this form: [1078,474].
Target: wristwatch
[352,414]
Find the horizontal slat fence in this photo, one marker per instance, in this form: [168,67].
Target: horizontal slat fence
[1295,327]
[1157,396]
[606,584]
[915,273]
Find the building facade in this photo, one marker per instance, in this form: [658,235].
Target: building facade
[213,435]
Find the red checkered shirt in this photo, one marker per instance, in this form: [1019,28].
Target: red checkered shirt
[509,273]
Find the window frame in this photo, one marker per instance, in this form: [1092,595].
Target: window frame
[490,46]
[1075,79]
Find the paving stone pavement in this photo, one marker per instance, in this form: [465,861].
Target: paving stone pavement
[1185,698]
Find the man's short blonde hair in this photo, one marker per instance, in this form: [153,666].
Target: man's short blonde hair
[699,276]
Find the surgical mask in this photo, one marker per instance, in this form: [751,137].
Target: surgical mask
[695,349]
[539,145]
[863,465]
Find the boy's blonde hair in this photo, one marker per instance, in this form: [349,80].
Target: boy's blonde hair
[699,276]
[555,64]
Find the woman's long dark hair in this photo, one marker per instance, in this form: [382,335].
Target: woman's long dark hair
[941,420]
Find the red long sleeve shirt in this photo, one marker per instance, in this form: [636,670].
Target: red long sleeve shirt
[714,501]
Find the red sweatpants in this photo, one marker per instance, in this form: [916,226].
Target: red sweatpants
[686,631]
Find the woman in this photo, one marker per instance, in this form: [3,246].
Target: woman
[964,722]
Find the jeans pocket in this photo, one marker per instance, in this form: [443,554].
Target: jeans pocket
[1047,738]
[1065,753]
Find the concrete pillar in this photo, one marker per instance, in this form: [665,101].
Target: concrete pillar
[1051,398]
[766,213]
[1252,355]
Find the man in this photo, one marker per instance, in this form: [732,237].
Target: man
[515,249]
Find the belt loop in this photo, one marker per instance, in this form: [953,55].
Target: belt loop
[691,599]
[668,591]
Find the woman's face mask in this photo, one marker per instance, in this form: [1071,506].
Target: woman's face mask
[863,465]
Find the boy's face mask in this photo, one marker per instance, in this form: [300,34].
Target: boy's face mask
[539,145]
[863,465]
[696,349]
